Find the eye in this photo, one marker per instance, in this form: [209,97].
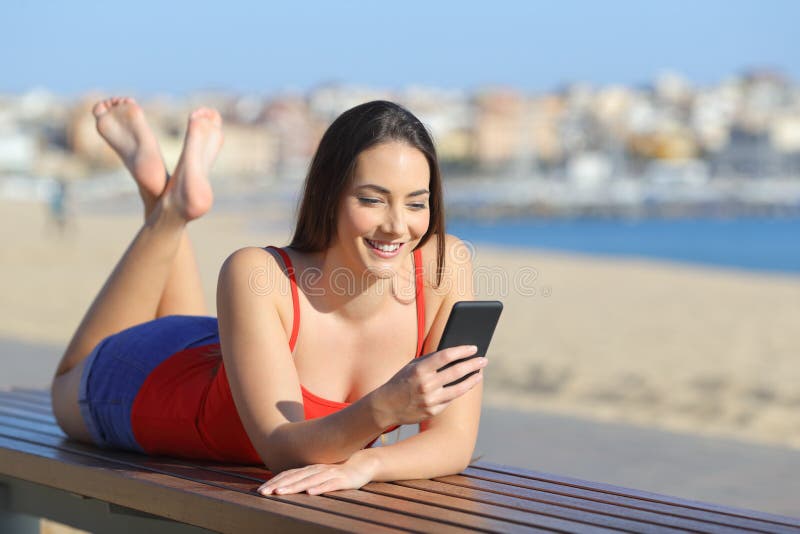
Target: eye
[417,205]
[369,200]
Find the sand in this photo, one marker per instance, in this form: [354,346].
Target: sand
[690,349]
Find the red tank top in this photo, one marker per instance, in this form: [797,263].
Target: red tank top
[185,407]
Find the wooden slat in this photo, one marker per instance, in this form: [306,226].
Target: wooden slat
[181,500]
[33,426]
[34,411]
[556,517]
[580,503]
[26,414]
[380,514]
[31,392]
[639,494]
[568,520]
[18,401]
[620,500]
[425,511]
[42,399]
[496,511]
[553,509]
[611,509]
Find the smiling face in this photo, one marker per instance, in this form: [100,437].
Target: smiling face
[384,210]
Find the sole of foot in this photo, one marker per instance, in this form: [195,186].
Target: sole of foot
[121,122]
[189,189]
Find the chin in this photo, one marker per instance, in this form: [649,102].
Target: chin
[384,264]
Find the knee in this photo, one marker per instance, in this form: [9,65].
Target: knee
[64,401]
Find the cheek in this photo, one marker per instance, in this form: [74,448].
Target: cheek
[358,221]
[419,223]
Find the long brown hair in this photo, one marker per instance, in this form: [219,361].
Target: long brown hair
[333,165]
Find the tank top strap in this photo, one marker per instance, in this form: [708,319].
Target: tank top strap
[419,288]
[295,300]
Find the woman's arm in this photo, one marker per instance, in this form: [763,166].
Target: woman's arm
[263,377]
[444,447]
[447,440]
[436,451]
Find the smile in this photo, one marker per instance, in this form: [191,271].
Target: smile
[384,249]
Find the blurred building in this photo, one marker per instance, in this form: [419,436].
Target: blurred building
[576,142]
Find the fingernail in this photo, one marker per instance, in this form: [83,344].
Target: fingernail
[473,348]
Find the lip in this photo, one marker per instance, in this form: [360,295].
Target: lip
[382,254]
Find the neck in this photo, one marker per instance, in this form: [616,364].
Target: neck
[354,294]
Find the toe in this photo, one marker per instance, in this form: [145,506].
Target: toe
[100,108]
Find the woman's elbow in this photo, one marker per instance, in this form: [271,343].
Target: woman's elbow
[275,450]
[284,449]
[464,463]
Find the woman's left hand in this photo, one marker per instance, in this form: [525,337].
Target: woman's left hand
[321,478]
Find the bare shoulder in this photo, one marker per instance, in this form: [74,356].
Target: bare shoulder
[457,265]
[256,267]
[248,256]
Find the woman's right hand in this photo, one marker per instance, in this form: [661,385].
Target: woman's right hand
[417,392]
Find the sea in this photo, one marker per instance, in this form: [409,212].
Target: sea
[752,244]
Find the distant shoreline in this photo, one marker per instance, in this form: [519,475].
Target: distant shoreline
[747,244]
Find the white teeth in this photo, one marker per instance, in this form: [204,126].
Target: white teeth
[385,248]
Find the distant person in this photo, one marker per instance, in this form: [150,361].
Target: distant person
[58,206]
[345,311]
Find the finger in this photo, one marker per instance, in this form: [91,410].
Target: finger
[276,480]
[460,370]
[288,477]
[304,484]
[450,393]
[267,487]
[446,356]
[332,484]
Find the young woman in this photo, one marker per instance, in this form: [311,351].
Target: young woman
[317,349]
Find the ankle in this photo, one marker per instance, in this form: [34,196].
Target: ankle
[165,211]
[148,208]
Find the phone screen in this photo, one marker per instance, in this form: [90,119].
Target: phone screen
[470,323]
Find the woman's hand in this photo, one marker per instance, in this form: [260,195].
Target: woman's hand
[322,478]
[417,392]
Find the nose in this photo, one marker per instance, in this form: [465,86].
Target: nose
[394,223]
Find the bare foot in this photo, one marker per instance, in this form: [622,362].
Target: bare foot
[188,190]
[121,123]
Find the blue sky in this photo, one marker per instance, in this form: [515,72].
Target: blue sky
[147,47]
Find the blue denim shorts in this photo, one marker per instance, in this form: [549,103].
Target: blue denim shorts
[118,366]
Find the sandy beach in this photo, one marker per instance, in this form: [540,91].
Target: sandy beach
[690,349]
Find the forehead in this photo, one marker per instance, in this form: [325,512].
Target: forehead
[395,165]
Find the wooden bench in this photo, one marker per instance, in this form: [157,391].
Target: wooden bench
[44,475]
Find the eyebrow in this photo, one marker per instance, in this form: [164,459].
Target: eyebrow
[385,191]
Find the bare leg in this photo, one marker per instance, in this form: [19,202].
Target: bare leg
[183,293]
[121,123]
[133,291]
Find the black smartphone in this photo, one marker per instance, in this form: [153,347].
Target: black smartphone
[471,322]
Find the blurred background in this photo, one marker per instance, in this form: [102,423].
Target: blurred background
[627,174]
